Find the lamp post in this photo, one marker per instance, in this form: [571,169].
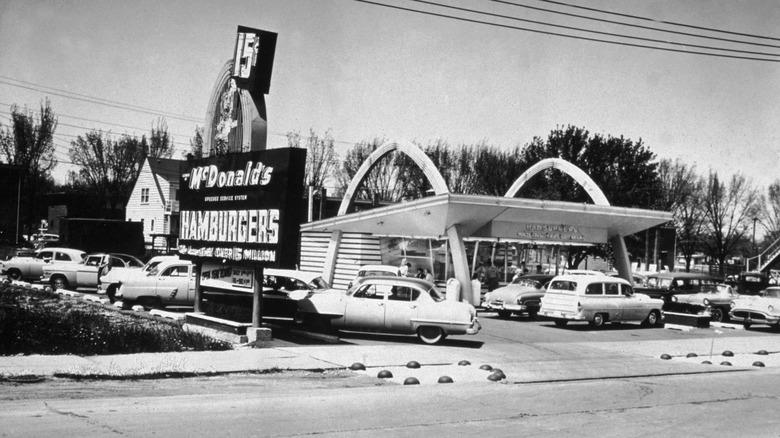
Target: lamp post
[755,219]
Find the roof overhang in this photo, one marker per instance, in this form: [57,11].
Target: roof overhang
[479,216]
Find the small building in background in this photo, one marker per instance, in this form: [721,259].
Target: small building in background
[154,202]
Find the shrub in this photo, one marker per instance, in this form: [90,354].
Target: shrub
[39,322]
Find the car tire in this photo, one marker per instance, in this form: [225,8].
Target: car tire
[652,319]
[560,322]
[111,293]
[504,313]
[746,325]
[430,335]
[59,282]
[150,302]
[532,314]
[597,321]
[716,314]
[14,274]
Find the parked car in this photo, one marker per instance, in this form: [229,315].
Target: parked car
[761,309]
[282,288]
[394,305]
[522,295]
[665,284]
[170,282]
[373,271]
[751,283]
[112,278]
[86,273]
[716,300]
[598,300]
[31,268]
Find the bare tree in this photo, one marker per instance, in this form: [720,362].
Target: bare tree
[108,167]
[160,141]
[29,143]
[769,216]
[682,191]
[321,157]
[383,182]
[728,209]
[196,143]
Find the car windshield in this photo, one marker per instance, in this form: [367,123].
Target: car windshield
[435,294]
[319,283]
[526,282]
[772,293]
[563,285]
[374,273]
[151,265]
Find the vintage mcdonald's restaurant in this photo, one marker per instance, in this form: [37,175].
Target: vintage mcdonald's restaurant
[244,209]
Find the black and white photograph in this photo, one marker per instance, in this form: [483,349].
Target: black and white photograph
[389,218]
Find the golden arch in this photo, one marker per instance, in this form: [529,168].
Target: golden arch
[582,178]
[409,149]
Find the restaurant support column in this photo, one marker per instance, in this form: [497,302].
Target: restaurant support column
[460,263]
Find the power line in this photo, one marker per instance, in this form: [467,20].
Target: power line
[89,128]
[544,32]
[543,23]
[60,114]
[691,26]
[96,100]
[638,26]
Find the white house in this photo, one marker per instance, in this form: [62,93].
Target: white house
[154,200]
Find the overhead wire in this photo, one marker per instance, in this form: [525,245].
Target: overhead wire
[560,26]
[564,35]
[674,23]
[99,101]
[638,26]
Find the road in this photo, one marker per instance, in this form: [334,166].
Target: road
[342,403]
[737,403]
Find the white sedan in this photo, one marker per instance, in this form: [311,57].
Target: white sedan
[393,305]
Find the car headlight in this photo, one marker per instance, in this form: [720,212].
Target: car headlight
[770,308]
[733,304]
[674,299]
[706,302]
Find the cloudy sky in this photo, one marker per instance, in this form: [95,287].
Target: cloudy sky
[364,70]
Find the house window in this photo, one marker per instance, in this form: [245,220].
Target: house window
[144,196]
[153,225]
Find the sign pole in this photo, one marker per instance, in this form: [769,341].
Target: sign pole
[257,297]
[198,296]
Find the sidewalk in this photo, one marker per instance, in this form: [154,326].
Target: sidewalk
[523,363]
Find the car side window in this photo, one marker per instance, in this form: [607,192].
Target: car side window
[594,289]
[369,291]
[91,261]
[612,289]
[44,255]
[116,262]
[61,256]
[404,293]
[175,271]
[627,290]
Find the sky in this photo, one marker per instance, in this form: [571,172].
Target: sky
[364,71]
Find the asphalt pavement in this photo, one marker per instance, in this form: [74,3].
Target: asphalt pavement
[522,363]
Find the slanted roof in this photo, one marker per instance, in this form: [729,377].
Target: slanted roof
[168,168]
[516,219]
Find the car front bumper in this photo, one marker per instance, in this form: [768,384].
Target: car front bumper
[475,327]
[753,317]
